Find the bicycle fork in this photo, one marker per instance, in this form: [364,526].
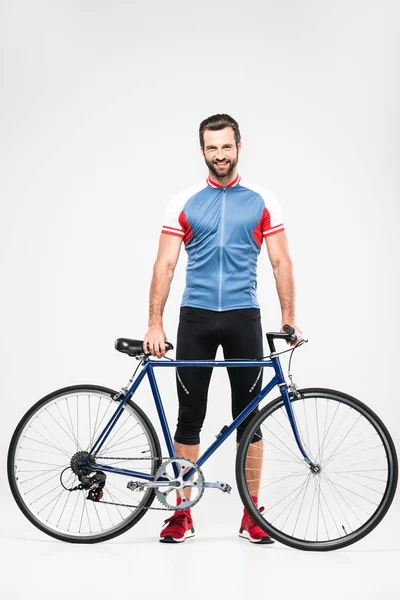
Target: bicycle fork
[288,405]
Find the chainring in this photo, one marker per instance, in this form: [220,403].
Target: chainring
[169,495]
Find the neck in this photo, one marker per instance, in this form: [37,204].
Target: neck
[223,181]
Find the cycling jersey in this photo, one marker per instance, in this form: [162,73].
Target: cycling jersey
[222,229]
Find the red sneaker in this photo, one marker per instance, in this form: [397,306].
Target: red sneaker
[179,527]
[252,532]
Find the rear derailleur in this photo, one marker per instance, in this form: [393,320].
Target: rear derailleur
[89,479]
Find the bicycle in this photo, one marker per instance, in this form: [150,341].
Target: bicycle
[328,467]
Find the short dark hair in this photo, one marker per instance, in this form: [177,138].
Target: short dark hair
[217,122]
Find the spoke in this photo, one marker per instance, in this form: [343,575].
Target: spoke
[95,423]
[77,425]
[118,429]
[63,508]
[120,491]
[74,441]
[287,447]
[321,446]
[55,504]
[293,501]
[340,424]
[38,462]
[334,485]
[61,448]
[97,514]
[330,512]
[344,450]
[101,421]
[338,446]
[359,483]
[41,483]
[365,476]
[67,424]
[42,471]
[284,498]
[302,502]
[114,500]
[87,512]
[134,437]
[73,512]
[42,451]
[322,510]
[277,480]
[362,462]
[312,504]
[50,501]
[317,421]
[90,420]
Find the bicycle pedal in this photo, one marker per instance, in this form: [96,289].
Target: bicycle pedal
[224,487]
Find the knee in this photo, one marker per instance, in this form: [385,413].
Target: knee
[188,427]
[189,436]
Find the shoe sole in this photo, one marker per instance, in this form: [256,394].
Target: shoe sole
[171,540]
[246,536]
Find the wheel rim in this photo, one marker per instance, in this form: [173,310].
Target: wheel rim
[67,424]
[350,492]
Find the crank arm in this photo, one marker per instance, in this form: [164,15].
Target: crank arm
[133,485]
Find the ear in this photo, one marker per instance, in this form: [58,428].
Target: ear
[239,147]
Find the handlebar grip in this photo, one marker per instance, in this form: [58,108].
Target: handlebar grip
[289,329]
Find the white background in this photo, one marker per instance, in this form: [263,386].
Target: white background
[100,107]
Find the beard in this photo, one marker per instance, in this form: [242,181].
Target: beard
[218,171]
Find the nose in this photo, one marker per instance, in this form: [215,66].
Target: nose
[220,154]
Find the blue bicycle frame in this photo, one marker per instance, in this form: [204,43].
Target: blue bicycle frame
[148,369]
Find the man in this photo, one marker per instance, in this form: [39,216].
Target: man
[222,223]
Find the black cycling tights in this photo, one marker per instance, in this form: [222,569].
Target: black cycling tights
[200,332]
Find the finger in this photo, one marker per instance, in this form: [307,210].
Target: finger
[162,348]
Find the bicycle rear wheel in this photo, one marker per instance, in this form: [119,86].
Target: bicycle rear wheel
[352,491]
[56,428]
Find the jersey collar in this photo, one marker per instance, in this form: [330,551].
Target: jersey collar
[212,183]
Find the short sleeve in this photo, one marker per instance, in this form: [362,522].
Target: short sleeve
[173,224]
[272,220]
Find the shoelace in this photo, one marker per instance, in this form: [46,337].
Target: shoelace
[252,523]
[178,519]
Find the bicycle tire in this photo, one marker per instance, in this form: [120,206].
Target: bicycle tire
[44,407]
[276,413]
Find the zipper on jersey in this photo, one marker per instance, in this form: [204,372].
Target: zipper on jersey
[221,249]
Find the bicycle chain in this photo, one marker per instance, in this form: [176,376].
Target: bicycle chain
[134,458]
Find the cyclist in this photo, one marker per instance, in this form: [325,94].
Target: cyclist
[222,223]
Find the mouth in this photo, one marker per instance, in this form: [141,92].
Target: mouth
[222,164]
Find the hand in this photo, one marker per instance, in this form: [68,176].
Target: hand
[154,341]
[297,331]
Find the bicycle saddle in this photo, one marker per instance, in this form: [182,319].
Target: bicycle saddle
[134,347]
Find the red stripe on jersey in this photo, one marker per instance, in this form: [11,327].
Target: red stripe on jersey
[263,223]
[234,182]
[278,230]
[179,235]
[174,228]
[183,222]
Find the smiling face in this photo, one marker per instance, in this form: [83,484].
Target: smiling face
[221,153]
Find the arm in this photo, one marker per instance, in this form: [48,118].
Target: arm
[278,252]
[163,272]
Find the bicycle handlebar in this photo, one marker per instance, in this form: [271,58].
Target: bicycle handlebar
[290,335]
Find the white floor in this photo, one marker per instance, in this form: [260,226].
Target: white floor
[215,563]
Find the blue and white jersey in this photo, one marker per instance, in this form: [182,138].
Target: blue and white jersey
[222,229]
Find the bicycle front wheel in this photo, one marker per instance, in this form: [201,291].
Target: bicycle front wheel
[353,489]
[61,426]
